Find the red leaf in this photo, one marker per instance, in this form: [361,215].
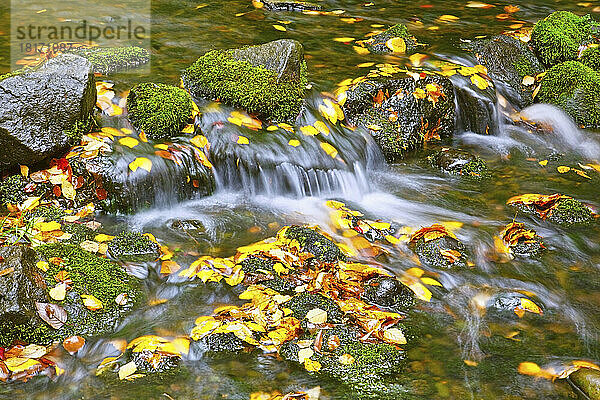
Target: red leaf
[56,190]
[101,194]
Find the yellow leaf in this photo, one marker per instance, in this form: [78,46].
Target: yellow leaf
[380,225]
[361,50]
[189,128]
[480,82]
[471,363]
[530,306]
[346,359]
[199,141]
[528,80]
[140,162]
[243,140]
[321,127]
[280,28]
[394,335]
[543,163]
[43,265]
[169,267]
[309,130]
[316,316]
[365,65]
[90,246]
[305,354]
[562,169]
[129,141]
[430,281]
[91,302]
[236,278]
[47,226]
[19,364]
[68,190]
[448,18]
[59,291]
[396,44]
[329,149]
[343,39]
[294,142]
[127,370]
[311,365]
[103,238]
[24,170]
[280,268]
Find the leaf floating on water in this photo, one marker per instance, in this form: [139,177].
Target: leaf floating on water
[91,302]
[543,163]
[329,149]
[72,344]
[279,27]
[344,39]
[563,169]
[129,141]
[141,162]
[294,143]
[53,314]
[169,267]
[478,4]
[199,141]
[309,130]
[243,140]
[447,18]
[480,82]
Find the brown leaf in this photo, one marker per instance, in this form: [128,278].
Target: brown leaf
[73,343]
[53,314]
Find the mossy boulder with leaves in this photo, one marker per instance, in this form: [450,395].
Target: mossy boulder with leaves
[106,60]
[311,241]
[575,88]
[289,5]
[402,114]
[160,110]
[133,246]
[459,162]
[99,293]
[389,293]
[558,37]
[268,80]
[396,39]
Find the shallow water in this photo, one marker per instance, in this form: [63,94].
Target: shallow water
[564,282]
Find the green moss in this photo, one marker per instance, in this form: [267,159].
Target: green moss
[257,89]
[313,242]
[80,233]
[575,88]
[459,163]
[47,212]
[557,37]
[302,303]
[106,60]
[264,267]
[12,190]
[79,128]
[223,343]
[133,246]
[90,275]
[430,253]
[591,58]
[160,110]
[14,73]
[41,334]
[257,265]
[377,44]
[290,5]
[571,211]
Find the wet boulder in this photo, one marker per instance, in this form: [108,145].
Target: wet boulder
[396,39]
[322,248]
[575,88]
[261,270]
[287,5]
[509,305]
[303,303]
[558,37]
[439,248]
[556,208]
[402,113]
[477,109]
[587,381]
[21,286]
[521,241]
[133,247]
[268,79]
[508,61]
[43,111]
[106,60]
[388,292]
[160,111]
[459,162]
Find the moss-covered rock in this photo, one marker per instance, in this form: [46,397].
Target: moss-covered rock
[445,252]
[558,37]
[378,43]
[402,114]
[588,381]
[268,79]
[591,58]
[508,61]
[134,247]
[575,88]
[571,211]
[79,232]
[48,212]
[289,5]
[459,162]
[160,110]
[106,60]
[311,241]
[12,190]
[390,293]
[222,344]
[262,271]
[302,303]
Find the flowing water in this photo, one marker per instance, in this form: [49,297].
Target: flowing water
[278,186]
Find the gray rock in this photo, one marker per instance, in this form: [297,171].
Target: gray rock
[587,381]
[477,109]
[398,120]
[43,111]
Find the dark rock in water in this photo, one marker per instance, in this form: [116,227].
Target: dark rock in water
[558,37]
[401,113]
[19,291]
[459,162]
[222,344]
[44,111]
[557,208]
[261,270]
[433,252]
[508,61]
[521,241]
[390,293]
[134,247]
[321,247]
[268,79]
[477,108]
[401,41]
[160,110]
[28,312]
[305,302]
[289,5]
[510,305]
[106,60]
[575,88]
[570,212]
[587,380]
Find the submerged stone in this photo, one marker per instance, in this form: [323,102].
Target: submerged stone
[558,37]
[508,61]
[43,111]
[106,60]
[289,5]
[443,252]
[133,247]
[402,114]
[575,88]
[160,110]
[396,39]
[268,79]
[390,293]
[588,381]
[459,162]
